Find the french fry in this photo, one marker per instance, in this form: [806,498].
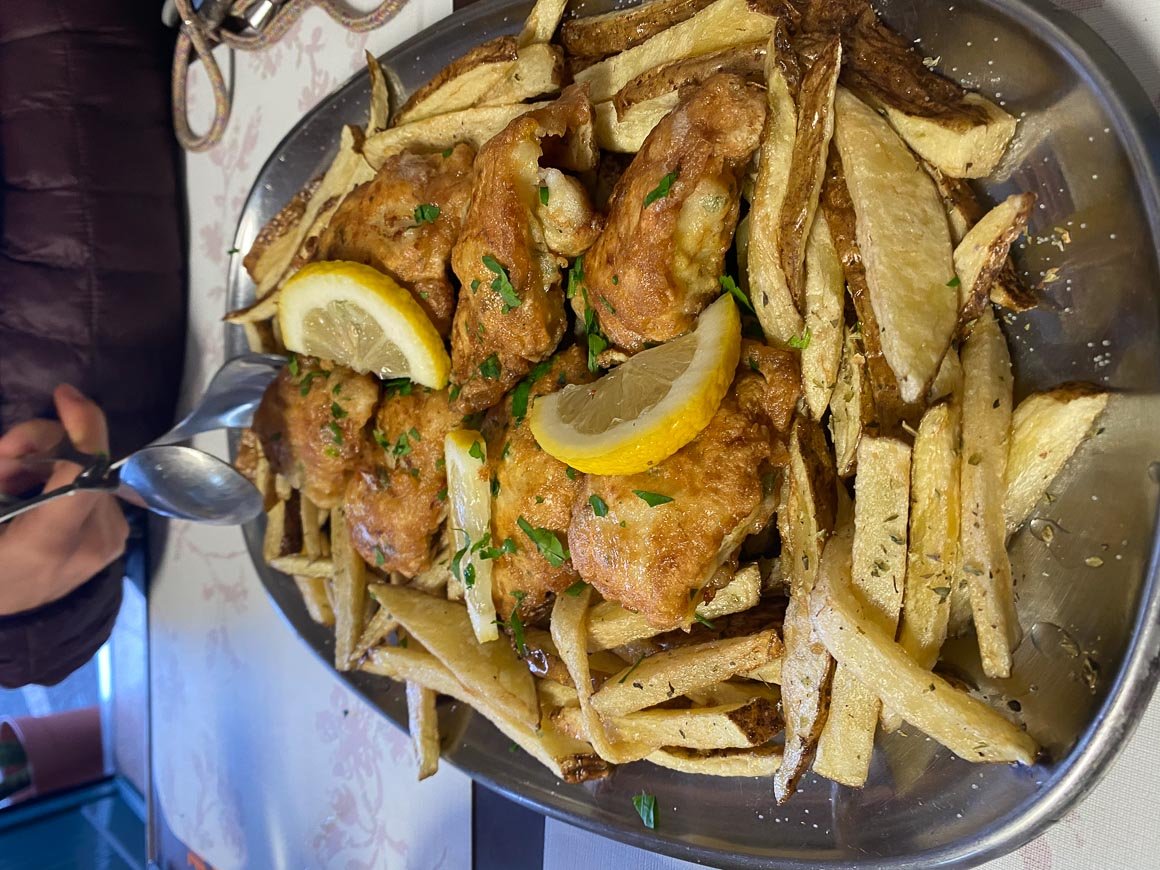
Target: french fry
[379,114]
[805,519]
[303,566]
[283,535]
[555,695]
[475,126]
[741,691]
[350,592]
[313,591]
[626,134]
[957,146]
[260,337]
[610,625]
[541,23]
[598,36]
[538,70]
[879,574]
[1046,430]
[986,437]
[747,61]
[825,286]
[487,670]
[851,406]
[762,761]
[570,760]
[251,461]
[311,528]
[815,127]
[963,724]
[423,726]
[728,726]
[769,289]
[904,242]
[570,633]
[932,554]
[983,252]
[376,631]
[720,24]
[462,83]
[674,672]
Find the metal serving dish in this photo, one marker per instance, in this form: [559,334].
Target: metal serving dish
[1089,661]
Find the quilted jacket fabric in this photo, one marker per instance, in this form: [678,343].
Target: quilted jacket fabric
[91,257]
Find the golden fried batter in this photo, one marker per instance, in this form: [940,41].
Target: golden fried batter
[657,558]
[511,308]
[535,486]
[404,221]
[397,498]
[672,216]
[310,423]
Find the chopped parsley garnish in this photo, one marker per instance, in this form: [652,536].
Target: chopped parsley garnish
[426,213]
[231,251]
[442,494]
[381,439]
[474,284]
[628,673]
[570,473]
[596,340]
[704,621]
[494,486]
[308,379]
[476,451]
[332,452]
[730,286]
[446,152]
[652,499]
[293,366]
[507,449]
[335,432]
[954,282]
[399,386]
[523,390]
[753,364]
[576,589]
[337,411]
[575,276]
[546,542]
[415,436]
[489,368]
[801,342]
[453,393]
[604,301]
[544,194]
[661,190]
[380,557]
[508,546]
[517,625]
[469,575]
[646,808]
[615,279]
[502,284]
[402,446]
[598,505]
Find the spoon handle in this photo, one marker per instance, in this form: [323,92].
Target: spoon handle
[11,511]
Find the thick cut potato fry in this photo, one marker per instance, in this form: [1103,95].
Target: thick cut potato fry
[1046,430]
[350,592]
[311,527]
[805,519]
[747,61]
[376,631]
[542,21]
[283,534]
[487,670]
[313,591]
[304,566]
[610,625]
[598,36]
[851,406]
[474,126]
[379,113]
[667,674]
[727,726]
[904,242]
[762,761]
[733,692]
[963,724]
[463,82]
[423,726]
[538,70]
[720,24]
[983,252]
[982,538]
[769,289]
[571,760]
[626,134]
[825,286]
[815,127]
[960,147]
[879,570]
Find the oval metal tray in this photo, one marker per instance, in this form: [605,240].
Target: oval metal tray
[1090,658]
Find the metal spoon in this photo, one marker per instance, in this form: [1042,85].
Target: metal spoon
[171,480]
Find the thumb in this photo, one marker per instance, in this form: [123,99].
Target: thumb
[82,420]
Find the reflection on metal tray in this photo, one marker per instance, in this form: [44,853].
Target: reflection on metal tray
[1088,664]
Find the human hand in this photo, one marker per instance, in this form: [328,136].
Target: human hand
[50,551]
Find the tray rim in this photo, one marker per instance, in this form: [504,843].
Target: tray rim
[1138,126]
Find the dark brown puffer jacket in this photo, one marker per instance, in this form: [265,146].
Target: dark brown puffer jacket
[91,255]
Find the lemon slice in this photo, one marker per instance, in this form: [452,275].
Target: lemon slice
[358,317]
[469,498]
[649,407]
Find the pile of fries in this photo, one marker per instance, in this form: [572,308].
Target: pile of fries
[908,467]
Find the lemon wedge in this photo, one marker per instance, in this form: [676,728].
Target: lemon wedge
[358,317]
[649,407]
[469,520]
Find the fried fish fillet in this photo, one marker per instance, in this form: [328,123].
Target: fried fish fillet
[404,222]
[672,216]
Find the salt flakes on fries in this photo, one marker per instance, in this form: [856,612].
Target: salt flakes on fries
[865,260]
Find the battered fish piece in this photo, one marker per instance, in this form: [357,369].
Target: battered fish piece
[397,499]
[534,486]
[672,216]
[511,308]
[666,531]
[310,423]
[404,222]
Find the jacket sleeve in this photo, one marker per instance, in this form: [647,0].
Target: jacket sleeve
[47,644]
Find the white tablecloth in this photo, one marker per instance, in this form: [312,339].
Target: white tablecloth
[262,758]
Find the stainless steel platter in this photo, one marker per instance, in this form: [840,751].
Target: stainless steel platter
[1089,600]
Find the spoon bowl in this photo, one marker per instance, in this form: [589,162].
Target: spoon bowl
[188,484]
